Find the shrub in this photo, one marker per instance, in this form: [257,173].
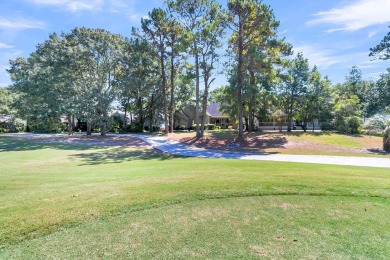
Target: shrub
[347,125]
[181,127]
[147,128]
[327,126]
[354,124]
[206,127]
[116,125]
[386,139]
[133,128]
[209,127]
[115,128]
[375,124]
[14,125]
[46,125]
[372,132]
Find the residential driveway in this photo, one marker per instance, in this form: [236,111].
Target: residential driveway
[176,148]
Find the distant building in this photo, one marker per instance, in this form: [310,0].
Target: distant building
[216,117]
[186,117]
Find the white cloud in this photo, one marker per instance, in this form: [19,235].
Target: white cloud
[326,58]
[5,46]
[356,16]
[283,32]
[322,58]
[134,17]
[366,63]
[72,5]
[372,34]
[21,24]
[125,7]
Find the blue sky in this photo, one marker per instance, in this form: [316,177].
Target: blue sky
[333,34]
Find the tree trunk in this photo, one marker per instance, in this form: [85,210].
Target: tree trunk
[164,91]
[196,90]
[125,119]
[151,115]
[103,126]
[251,102]
[204,106]
[89,128]
[239,77]
[172,107]
[70,125]
[141,116]
[250,117]
[246,123]
[289,116]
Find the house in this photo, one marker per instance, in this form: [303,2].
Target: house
[186,117]
[216,117]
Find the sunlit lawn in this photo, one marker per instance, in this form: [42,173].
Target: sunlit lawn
[68,201]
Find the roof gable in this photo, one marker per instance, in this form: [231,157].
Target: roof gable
[213,110]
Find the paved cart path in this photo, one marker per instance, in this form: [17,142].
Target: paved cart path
[176,148]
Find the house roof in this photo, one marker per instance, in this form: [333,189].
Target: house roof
[213,110]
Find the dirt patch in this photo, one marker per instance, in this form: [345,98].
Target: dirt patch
[247,143]
[258,250]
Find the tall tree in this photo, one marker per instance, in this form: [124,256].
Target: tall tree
[296,86]
[316,102]
[177,44]
[136,79]
[5,101]
[44,82]
[212,31]
[99,55]
[156,29]
[255,47]
[382,50]
[72,75]
[192,13]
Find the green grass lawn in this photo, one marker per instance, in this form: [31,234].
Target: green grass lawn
[69,202]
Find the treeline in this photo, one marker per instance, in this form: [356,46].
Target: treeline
[304,96]
[171,62]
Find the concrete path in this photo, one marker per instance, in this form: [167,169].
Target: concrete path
[176,148]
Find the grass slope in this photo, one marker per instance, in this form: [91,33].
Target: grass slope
[67,201]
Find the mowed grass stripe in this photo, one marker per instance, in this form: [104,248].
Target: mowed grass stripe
[270,227]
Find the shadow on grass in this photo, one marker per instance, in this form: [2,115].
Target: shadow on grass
[251,142]
[113,152]
[377,151]
[9,144]
[59,142]
[120,155]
